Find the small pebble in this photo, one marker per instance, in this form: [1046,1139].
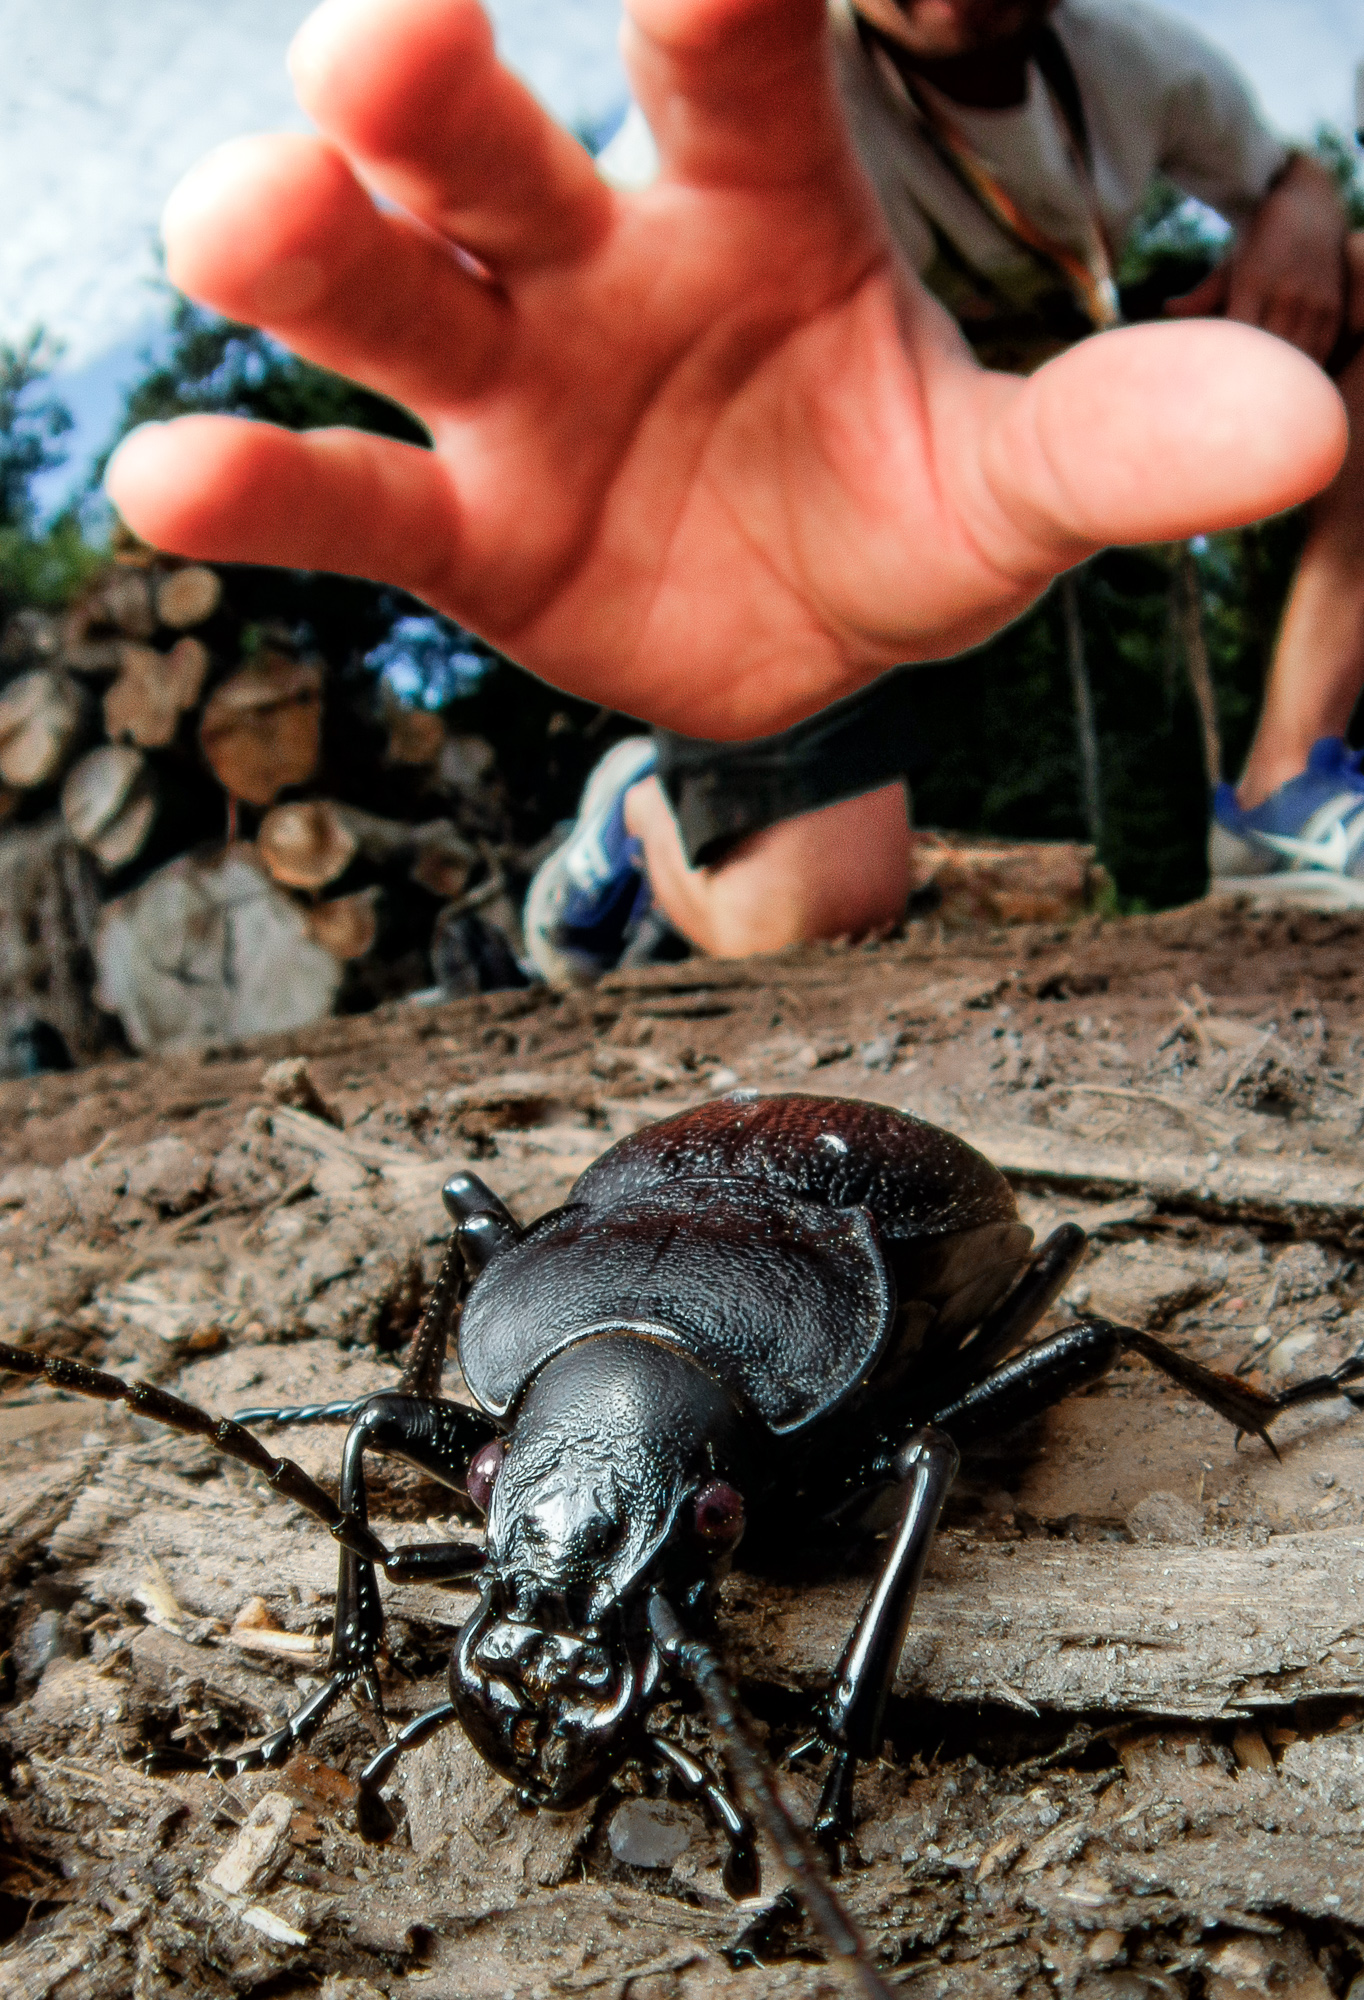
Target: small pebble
[1284,1355]
[647,1835]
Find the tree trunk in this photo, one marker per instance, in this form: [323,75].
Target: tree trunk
[1082,695]
[1186,608]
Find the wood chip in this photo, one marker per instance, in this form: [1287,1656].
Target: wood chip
[281,1645]
[258,1852]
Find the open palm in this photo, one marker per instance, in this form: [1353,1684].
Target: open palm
[702,453]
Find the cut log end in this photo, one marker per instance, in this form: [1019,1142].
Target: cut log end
[261,730]
[188,596]
[347,926]
[40,718]
[99,791]
[306,845]
[415,736]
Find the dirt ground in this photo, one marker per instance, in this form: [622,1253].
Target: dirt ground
[1126,1756]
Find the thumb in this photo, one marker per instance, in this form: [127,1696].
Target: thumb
[1205,301]
[1156,432]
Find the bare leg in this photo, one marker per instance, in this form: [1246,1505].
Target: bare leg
[1318,668]
[841,871]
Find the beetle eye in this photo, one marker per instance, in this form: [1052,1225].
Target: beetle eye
[719,1514]
[481,1477]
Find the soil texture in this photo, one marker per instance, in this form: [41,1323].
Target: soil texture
[1126,1753]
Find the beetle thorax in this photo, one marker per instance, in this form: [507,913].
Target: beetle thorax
[592,1503]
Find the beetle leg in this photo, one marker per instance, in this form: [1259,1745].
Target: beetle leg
[466,1196]
[372,1816]
[855,1712]
[743,1870]
[425,1362]
[1019,1311]
[437,1437]
[433,1562]
[1033,1380]
[1083,1353]
[224,1433]
[483,1226]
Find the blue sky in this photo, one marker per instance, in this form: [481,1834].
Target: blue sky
[104,103]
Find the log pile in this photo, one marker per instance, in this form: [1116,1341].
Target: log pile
[969,880]
[184,764]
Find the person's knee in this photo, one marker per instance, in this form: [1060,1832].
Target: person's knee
[842,870]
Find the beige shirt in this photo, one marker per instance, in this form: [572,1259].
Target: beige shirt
[1158,99]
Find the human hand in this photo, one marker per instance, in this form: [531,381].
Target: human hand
[701,453]
[1287,271]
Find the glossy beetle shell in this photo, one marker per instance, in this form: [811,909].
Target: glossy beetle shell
[796,1247]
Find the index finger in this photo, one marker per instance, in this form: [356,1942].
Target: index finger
[737,92]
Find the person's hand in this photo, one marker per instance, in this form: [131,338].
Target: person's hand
[1287,271]
[701,453]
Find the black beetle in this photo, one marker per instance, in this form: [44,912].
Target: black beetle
[746,1319]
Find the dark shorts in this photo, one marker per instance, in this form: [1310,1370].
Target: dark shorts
[721,792]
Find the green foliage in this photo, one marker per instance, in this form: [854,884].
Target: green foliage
[216,365]
[45,570]
[30,425]
[38,567]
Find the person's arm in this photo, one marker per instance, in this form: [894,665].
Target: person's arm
[702,453]
[1286,270]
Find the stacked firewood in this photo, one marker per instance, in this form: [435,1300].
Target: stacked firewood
[180,759]
[192,806]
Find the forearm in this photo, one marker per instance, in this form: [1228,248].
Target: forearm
[1287,271]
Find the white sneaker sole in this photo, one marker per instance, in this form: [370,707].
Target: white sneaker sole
[1294,889]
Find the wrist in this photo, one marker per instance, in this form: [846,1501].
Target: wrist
[1303,180]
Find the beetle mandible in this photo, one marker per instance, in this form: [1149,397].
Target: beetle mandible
[746,1319]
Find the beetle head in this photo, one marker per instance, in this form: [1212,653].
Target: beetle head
[611,1481]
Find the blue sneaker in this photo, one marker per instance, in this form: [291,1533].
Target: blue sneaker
[586,902]
[1305,844]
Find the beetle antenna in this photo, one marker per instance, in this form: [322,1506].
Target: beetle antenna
[756,1779]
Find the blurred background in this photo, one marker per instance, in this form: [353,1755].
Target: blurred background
[379,784]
